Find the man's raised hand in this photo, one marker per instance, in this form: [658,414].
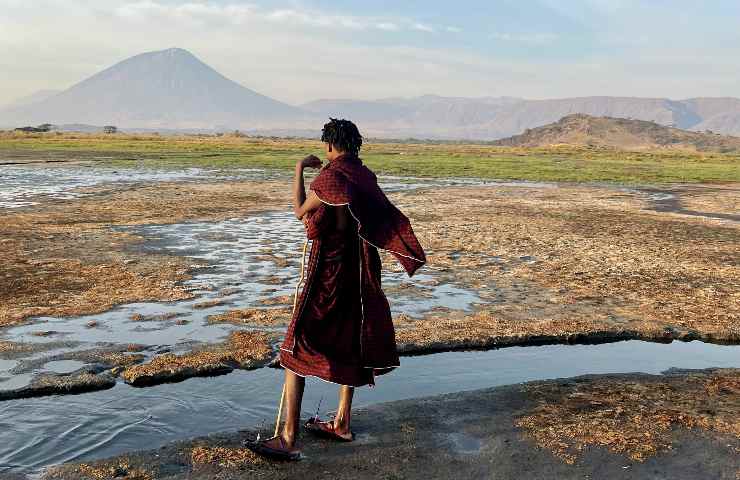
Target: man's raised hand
[311,161]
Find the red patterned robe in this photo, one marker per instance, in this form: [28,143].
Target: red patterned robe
[341,330]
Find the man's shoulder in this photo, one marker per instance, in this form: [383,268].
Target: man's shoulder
[331,186]
[328,174]
[369,172]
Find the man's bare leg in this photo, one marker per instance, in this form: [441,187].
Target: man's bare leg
[294,385]
[344,412]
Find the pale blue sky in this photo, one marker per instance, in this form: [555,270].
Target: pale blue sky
[306,49]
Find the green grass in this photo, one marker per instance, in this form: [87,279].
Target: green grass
[445,160]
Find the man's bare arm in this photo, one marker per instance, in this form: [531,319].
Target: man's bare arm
[301,204]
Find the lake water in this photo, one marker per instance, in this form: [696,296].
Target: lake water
[50,430]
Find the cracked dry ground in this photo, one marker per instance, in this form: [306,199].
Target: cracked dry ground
[574,263]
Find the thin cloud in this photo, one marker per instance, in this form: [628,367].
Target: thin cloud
[245,13]
[278,57]
[423,27]
[530,38]
[313,20]
[389,26]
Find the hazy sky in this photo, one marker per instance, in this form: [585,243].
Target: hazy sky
[297,51]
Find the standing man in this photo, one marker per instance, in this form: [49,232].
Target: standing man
[341,330]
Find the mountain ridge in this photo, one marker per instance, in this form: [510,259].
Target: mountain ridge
[174,90]
[490,118]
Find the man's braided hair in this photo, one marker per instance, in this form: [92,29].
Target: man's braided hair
[343,134]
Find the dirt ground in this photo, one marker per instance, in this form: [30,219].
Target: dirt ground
[690,421]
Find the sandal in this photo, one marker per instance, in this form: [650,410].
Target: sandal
[326,430]
[282,454]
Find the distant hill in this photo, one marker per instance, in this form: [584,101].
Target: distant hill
[428,116]
[490,118]
[172,90]
[164,89]
[580,129]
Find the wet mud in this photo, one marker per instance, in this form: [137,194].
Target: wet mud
[636,418]
[489,433]
[720,202]
[24,386]
[243,350]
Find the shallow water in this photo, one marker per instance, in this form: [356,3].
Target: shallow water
[13,382]
[27,185]
[51,430]
[248,260]
[63,366]
[22,186]
[6,365]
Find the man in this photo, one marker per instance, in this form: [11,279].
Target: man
[341,330]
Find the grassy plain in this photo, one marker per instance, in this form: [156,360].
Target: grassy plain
[571,164]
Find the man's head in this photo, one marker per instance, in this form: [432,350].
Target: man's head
[340,137]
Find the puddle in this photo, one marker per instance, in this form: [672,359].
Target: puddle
[27,185]
[670,202]
[16,381]
[424,294]
[62,366]
[246,263]
[102,424]
[463,444]
[6,365]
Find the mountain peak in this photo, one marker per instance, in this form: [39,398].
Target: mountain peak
[168,56]
[174,52]
[169,88]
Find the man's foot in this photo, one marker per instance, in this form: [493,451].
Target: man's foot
[274,448]
[329,430]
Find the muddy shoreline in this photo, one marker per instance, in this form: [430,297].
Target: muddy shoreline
[217,359]
[544,265]
[488,433]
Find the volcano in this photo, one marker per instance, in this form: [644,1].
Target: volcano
[164,89]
